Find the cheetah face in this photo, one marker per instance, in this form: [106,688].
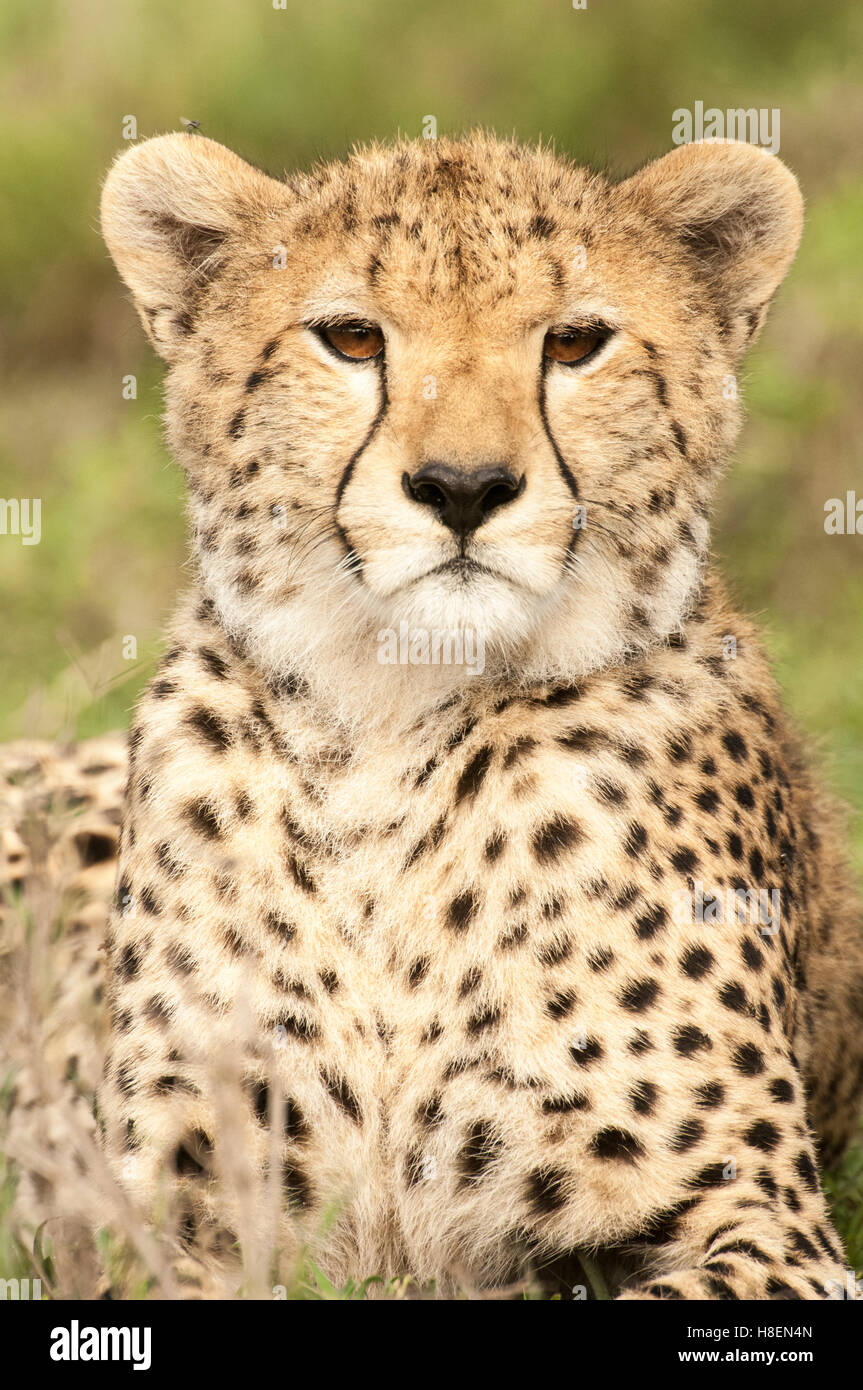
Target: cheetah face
[452,384]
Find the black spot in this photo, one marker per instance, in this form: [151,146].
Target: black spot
[554,952]
[684,860]
[636,840]
[735,845]
[192,1157]
[806,1171]
[430,1113]
[294,1124]
[517,750]
[733,996]
[709,1095]
[803,1245]
[563,695]
[680,749]
[203,817]
[180,959]
[688,1040]
[300,874]
[696,962]
[735,745]
[296,1185]
[562,1003]
[296,1026]
[767,1183]
[237,425]
[129,963]
[743,795]
[639,995]
[429,842]
[256,379]
[762,1135]
[283,929]
[235,942]
[585,1056]
[343,1096]
[418,971]
[486,1018]
[462,911]
[687,1136]
[582,740]
[479,1150]
[617,1144]
[781,1090]
[679,436]
[711,1176]
[600,959]
[551,840]
[748,1060]
[610,793]
[473,774]
[544,1190]
[563,1105]
[211,729]
[708,800]
[494,846]
[778,1289]
[643,1097]
[752,956]
[470,981]
[514,936]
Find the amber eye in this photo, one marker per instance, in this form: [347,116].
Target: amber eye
[358,341]
[572,345]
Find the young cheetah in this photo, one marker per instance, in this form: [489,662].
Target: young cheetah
[477,930]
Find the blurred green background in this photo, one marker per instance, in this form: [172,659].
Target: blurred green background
[284,87]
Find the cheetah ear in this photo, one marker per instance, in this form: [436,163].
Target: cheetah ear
[170,207]
[736,208]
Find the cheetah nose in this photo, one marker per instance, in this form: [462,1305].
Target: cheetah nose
[462,501]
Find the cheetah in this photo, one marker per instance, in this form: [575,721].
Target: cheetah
[553,953]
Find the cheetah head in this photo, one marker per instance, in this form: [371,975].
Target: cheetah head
[451,384]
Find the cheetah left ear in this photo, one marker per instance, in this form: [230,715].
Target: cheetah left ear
[172,208]
[738,210]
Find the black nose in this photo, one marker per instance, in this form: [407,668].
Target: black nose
[462,501]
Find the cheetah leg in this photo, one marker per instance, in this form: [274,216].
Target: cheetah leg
[749,1239]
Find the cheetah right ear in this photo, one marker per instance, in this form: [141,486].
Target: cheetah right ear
[738,210]
[170,209]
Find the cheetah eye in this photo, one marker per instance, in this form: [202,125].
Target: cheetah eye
[572,345]
[359,342]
